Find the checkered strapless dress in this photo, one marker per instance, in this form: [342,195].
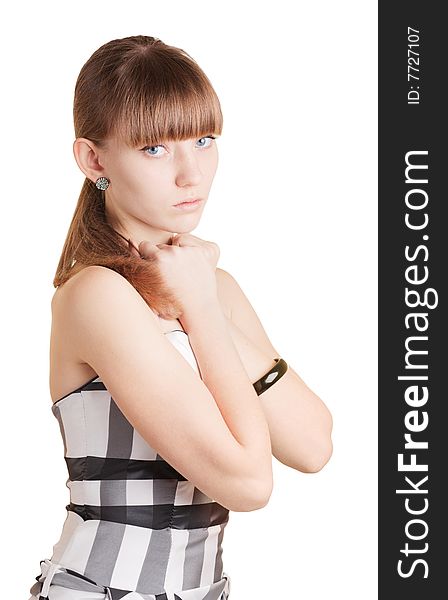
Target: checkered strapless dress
[135,527]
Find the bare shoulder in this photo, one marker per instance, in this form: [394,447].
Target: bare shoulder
[222,276]
[85,277]
[230,293]
[93,285]
[92,299]
[241,313]
[226,290]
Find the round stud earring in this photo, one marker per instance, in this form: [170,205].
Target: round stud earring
[102,183]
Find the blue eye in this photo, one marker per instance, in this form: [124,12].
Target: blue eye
[152,148]
[207,137]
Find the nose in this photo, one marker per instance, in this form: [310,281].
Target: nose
[188,172]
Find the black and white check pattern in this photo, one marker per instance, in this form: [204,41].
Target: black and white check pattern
[135,527]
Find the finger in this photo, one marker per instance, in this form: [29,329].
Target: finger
[147,249]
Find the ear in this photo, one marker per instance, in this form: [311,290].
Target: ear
[87,157]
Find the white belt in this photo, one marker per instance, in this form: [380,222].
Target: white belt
[48,569]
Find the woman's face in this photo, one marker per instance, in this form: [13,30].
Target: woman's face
[147,183]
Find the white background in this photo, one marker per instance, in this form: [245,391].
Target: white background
[293,209]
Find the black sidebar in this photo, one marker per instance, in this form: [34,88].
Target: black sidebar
[413,257]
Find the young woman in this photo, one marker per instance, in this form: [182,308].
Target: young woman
[170,398]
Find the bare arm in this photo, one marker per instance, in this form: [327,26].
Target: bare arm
[217,448]
[300,424]
[224,375]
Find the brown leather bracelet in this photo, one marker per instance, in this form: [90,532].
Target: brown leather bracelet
[272,376]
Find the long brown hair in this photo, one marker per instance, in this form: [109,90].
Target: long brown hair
[143,92]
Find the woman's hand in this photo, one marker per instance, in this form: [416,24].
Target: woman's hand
[211,249]
[187,267]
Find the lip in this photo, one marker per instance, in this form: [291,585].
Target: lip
[189,203]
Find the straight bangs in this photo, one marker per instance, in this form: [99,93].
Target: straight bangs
[170,102]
